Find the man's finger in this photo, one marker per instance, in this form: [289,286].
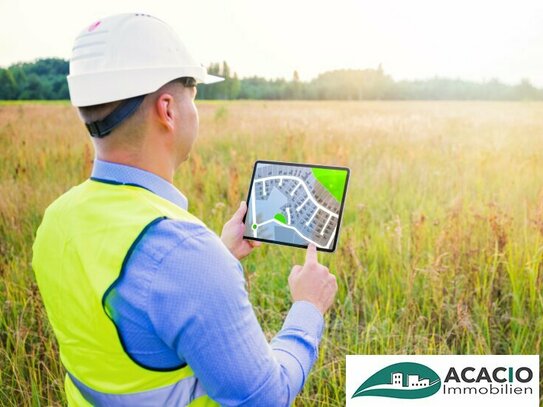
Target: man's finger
[311,254]
[255,243]
[295,270]
[238,216]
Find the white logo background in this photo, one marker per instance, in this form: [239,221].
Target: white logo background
[361,367]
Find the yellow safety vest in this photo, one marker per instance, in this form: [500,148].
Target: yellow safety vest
[80,250]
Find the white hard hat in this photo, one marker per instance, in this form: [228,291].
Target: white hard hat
[128,55]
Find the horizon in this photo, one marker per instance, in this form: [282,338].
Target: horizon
[416,41]
[234,72]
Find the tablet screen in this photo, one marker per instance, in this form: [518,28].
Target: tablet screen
[296,204]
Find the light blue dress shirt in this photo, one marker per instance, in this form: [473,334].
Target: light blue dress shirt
[182,300]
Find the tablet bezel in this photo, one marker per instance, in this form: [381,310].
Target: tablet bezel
[342,204]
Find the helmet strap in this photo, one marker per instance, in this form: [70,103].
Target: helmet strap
[102,128]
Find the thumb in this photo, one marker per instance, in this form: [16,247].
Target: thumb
[240,213]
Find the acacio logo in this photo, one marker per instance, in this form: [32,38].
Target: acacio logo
[402,381]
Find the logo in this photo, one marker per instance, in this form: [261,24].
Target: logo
[93,26]
[442,380]
[402,381]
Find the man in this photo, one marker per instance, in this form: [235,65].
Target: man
[148,305]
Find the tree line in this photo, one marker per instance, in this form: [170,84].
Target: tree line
[45,79]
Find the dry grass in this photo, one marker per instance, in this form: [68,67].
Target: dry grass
[441,249]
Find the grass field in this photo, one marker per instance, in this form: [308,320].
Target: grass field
[441,250]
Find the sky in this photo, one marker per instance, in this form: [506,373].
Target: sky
[417,39]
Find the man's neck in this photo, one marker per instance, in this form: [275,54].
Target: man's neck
[157,167]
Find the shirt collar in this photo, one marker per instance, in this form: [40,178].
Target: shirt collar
[126,174]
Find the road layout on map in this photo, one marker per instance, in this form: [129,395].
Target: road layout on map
[288,204]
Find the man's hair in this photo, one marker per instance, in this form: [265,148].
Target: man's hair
[129,134]
[98,112]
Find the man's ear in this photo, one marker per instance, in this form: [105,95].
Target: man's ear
[164,108]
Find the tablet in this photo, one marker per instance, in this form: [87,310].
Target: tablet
[296,204]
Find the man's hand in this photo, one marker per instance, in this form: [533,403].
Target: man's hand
[313,282]
[232,234]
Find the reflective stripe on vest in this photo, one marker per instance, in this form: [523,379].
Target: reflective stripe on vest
[176,394]
[80,250]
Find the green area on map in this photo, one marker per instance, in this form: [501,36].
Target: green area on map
[281,218]
[332,180]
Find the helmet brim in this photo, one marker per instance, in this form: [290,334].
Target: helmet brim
[212,79]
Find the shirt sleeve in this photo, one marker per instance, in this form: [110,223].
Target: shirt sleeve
[198,305]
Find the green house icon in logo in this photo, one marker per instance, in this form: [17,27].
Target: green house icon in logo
[401,380]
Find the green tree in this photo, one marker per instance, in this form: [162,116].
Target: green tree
[8,85]
[34,88]
[46,79]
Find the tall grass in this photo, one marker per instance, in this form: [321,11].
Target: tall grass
[441,250]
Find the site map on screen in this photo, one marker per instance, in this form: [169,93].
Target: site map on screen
[296,204]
